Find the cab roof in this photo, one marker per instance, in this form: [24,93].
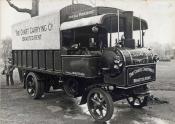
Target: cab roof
[81,15]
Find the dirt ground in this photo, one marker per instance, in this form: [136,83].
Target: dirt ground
[16,107]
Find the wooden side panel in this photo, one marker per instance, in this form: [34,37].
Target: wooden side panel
[57,61]
[24,64]
[29,58]
[35,59]
[19,58]
[84,66]
[41,59]
[49,60]
[38,60]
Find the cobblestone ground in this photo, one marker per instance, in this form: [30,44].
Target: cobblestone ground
[16,107]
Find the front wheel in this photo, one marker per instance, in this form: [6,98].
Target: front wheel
[100,104]
[138,101]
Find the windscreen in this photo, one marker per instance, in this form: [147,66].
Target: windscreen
[116,27]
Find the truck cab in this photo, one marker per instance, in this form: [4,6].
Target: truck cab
[101,48]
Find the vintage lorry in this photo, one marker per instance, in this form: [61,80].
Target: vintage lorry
[88,52]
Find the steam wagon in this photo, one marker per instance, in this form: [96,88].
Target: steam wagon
[94,52]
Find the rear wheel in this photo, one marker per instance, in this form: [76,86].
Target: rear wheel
[100,104]
[138,101]
[34,86]
[71,87]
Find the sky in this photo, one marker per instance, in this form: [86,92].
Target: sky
[160,15]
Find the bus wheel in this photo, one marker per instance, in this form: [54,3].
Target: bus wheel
[100,104]
[71,87]
[34,86]
[138,101]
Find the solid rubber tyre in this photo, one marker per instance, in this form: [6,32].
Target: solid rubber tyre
[106,102]
[34,83]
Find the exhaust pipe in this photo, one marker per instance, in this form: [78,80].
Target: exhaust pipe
[129,42]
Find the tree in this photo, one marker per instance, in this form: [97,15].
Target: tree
[6,50]
[33,12]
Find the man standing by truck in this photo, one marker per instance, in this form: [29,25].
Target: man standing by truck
[8,71]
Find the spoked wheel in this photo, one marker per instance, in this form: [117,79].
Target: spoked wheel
[100,104]
[71,87]
[138,101]
[35,88]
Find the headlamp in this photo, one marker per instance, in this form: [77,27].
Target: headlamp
[117,62]
[120,64]
[116,66]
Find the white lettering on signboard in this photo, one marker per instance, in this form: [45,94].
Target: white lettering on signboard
[76,73]
[81,14]
[142,79]
[140,70]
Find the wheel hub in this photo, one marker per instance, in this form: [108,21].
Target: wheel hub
[98,105]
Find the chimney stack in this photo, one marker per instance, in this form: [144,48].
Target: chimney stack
[128,30]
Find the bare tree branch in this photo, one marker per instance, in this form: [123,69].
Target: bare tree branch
[35,8]
[24,10]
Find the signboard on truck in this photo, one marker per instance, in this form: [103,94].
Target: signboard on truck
[37,33]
